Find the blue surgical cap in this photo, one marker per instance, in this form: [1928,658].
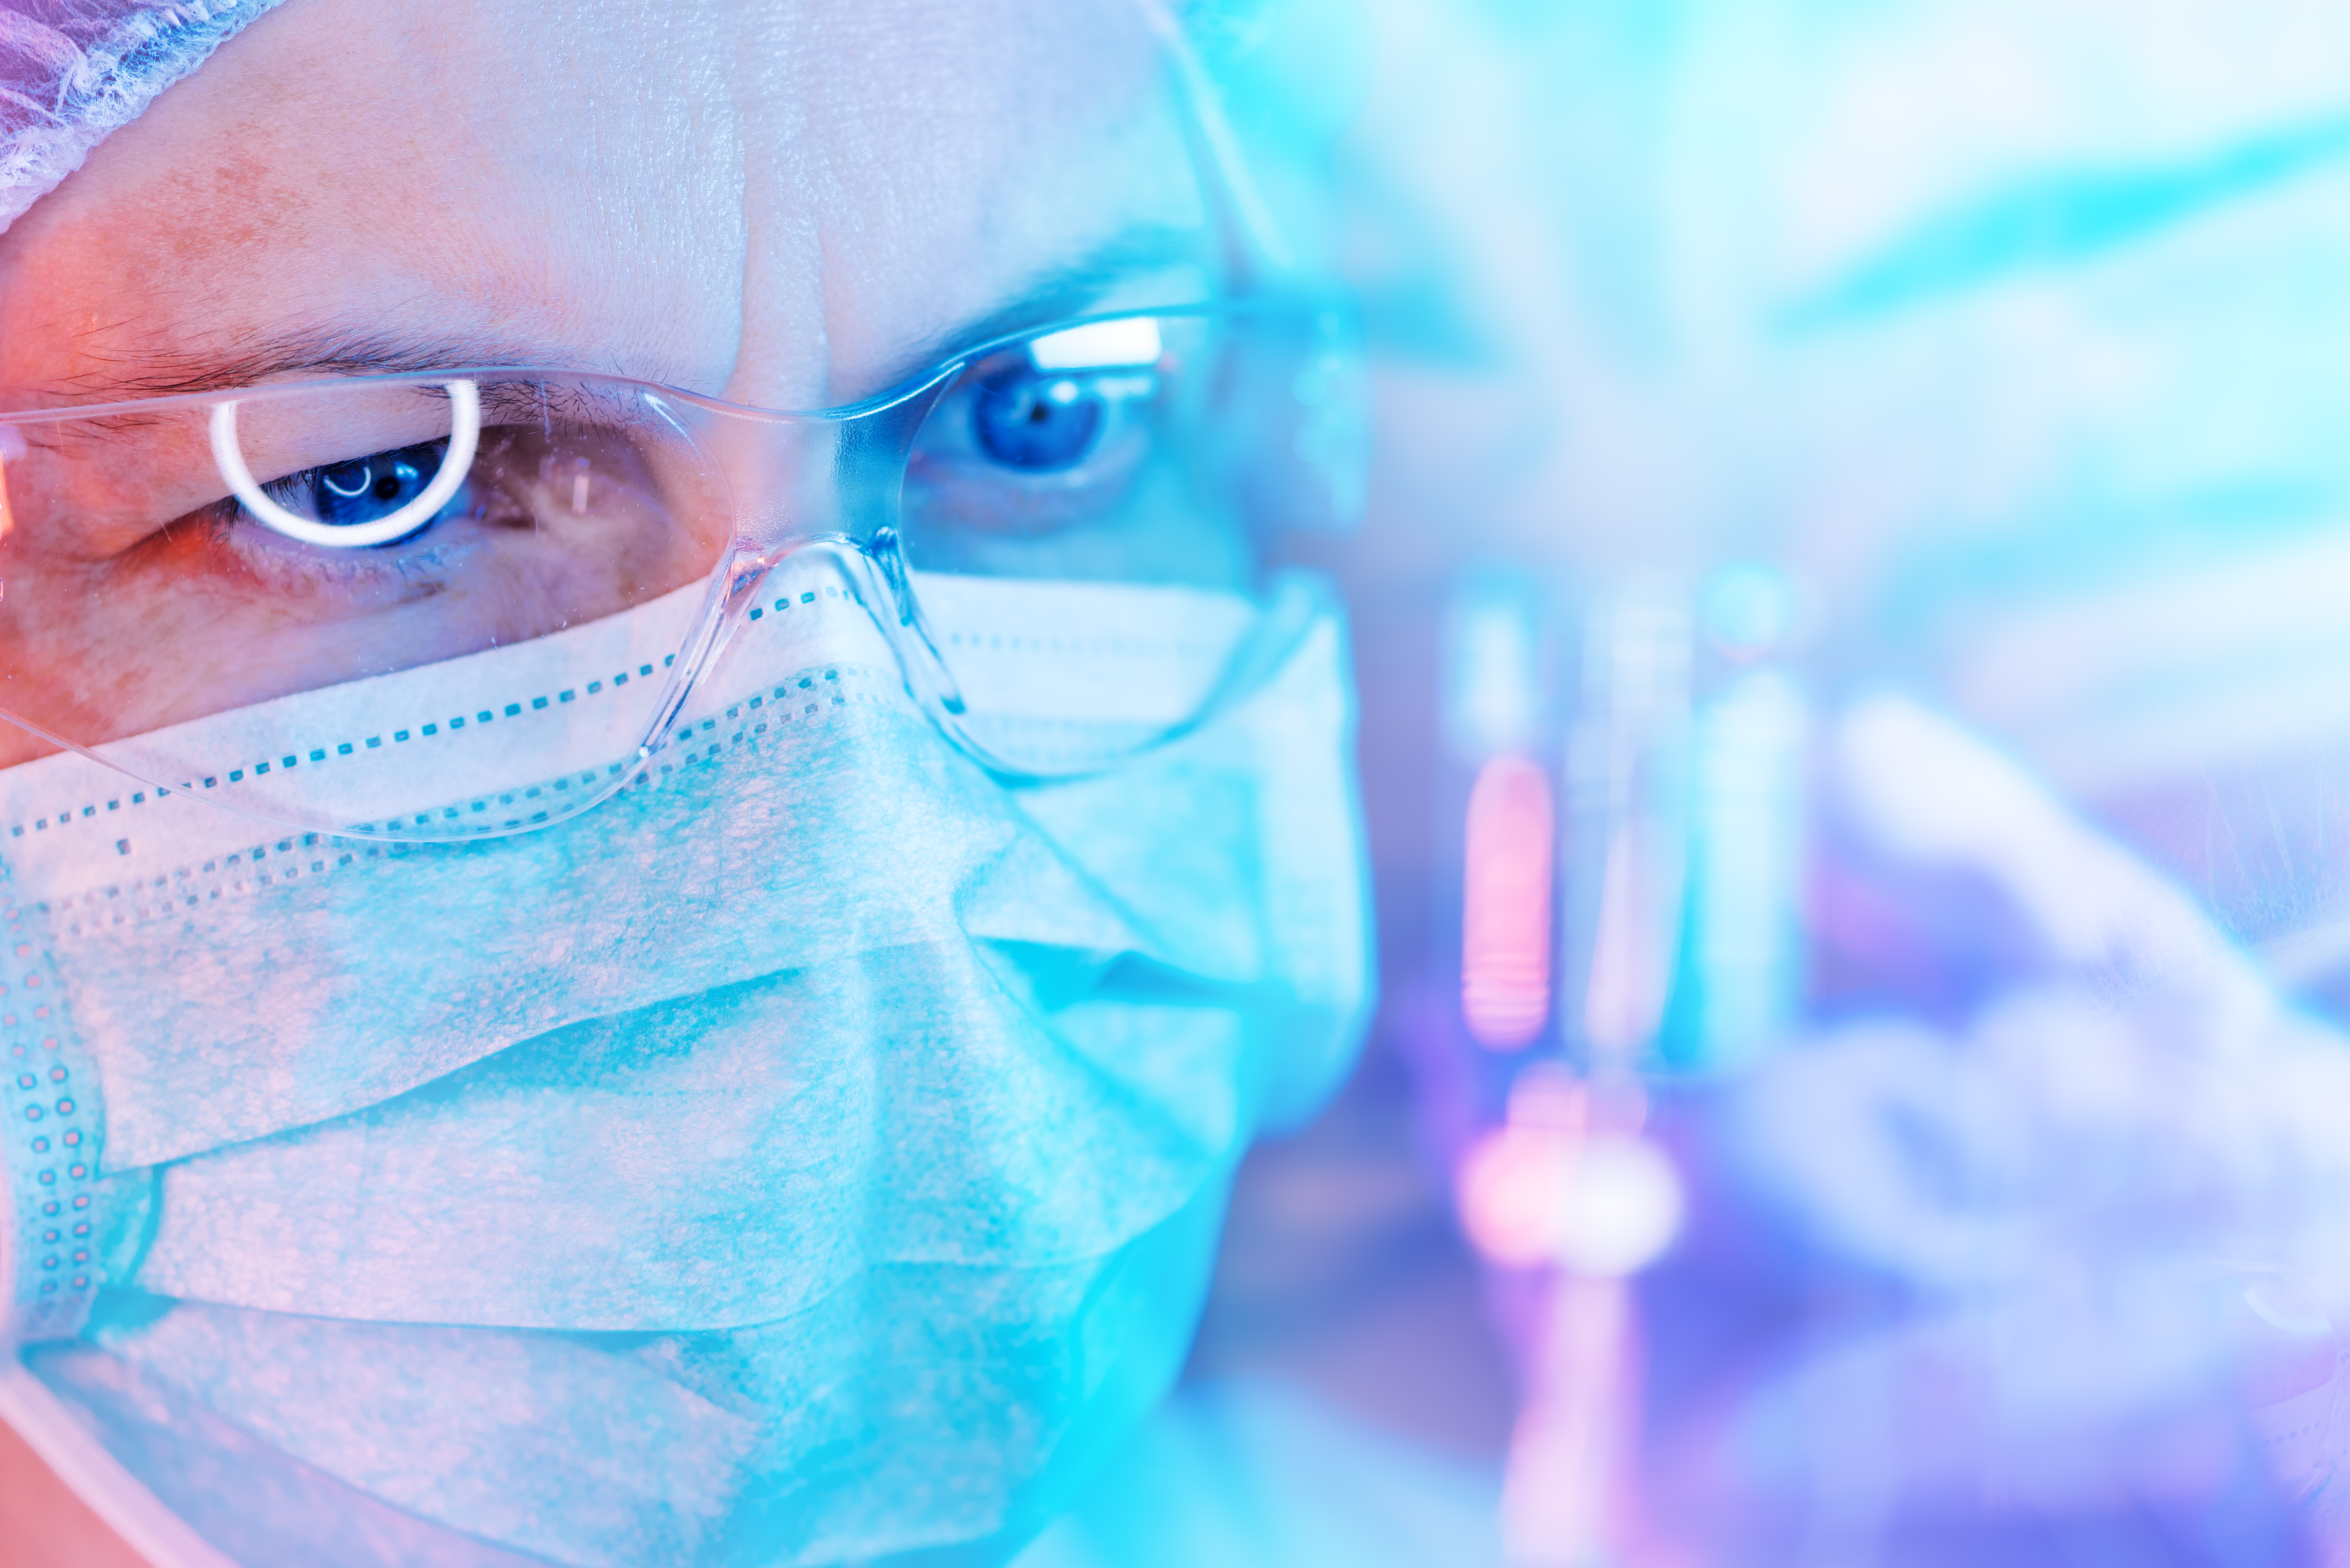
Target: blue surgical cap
[73,71]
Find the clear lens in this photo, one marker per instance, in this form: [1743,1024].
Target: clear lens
[281,557]
[1165,449]
[1087,516]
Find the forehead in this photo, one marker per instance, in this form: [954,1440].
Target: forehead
[772,200]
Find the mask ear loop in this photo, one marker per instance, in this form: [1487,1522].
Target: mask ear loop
[465,437]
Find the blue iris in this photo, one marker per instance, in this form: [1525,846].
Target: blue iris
[1037,422]
[367,489]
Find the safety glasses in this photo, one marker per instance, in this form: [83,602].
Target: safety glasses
[259,598]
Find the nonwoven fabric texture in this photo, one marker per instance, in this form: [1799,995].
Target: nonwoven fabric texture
[843,1186]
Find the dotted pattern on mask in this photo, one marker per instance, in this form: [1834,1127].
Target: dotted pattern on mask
[480,817]
[183,890]
[51,1142]
[50,1120]
[488,815]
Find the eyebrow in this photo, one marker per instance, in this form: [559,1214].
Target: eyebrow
[328,352]
[1051,294]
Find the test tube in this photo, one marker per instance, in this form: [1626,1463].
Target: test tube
[1743,972]
[1494,714]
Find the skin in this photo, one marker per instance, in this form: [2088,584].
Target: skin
[783,203]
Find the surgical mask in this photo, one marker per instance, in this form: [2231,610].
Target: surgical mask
[812,1154]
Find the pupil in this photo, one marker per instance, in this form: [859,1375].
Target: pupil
[1024,420]
[370,489]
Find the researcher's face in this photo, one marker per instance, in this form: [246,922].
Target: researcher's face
[791,204]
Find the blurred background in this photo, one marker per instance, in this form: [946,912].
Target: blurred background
[1852,630]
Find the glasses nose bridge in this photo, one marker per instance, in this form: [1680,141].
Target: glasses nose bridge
[801,477]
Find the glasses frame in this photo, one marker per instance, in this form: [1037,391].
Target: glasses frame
[1254,249]
[845,470]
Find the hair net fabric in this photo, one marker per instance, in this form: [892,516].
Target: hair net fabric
[72,72]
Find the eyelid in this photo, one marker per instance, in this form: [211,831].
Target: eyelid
[307,448]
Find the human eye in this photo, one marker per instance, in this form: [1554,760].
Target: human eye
[357,495]
[1023,444]
[1078,453]
[370,492]
[543,482]
[352,537]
